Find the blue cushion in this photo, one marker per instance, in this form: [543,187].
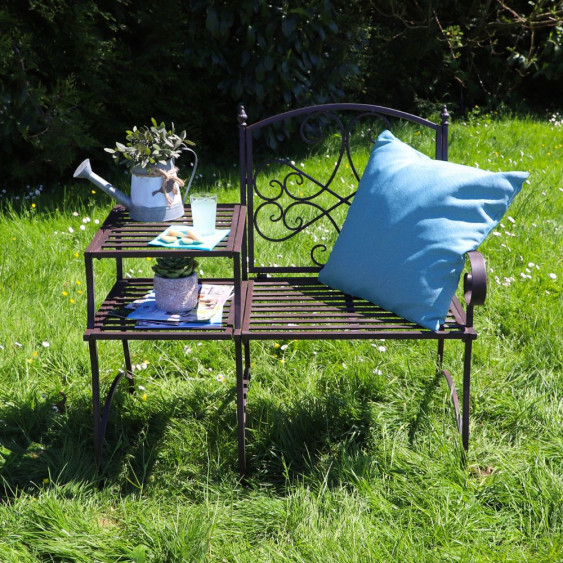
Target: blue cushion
[412,220]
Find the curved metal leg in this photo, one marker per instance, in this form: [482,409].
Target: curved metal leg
[462,416]
[101,414]
[128,366]
[455,400]
[96,401]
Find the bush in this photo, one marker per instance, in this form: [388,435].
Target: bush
[74,75]
[463,53]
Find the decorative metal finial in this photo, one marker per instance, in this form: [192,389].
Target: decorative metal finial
[242,117]
[445,115]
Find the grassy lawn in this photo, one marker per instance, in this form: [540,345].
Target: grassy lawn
[352,446]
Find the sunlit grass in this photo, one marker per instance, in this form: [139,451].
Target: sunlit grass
[352,447]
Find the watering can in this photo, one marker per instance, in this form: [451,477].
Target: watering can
[153,198]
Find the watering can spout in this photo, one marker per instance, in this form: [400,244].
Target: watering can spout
[84,170]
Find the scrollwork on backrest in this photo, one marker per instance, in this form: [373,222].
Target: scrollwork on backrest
[303,206]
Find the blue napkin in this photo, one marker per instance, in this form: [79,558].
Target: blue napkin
[208,241]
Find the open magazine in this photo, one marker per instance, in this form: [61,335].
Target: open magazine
[207,314]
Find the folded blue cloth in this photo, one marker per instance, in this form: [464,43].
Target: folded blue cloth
[208,241]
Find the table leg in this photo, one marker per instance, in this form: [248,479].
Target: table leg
[242,387]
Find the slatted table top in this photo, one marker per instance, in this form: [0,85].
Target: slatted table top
[110,322]
[119,236]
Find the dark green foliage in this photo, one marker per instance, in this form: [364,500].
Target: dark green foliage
[74,75]
[274,55]
[465,53]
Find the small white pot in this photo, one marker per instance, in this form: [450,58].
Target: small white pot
[176,295]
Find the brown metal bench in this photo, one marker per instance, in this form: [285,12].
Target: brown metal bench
[293,220]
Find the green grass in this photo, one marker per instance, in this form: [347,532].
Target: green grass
[352,446]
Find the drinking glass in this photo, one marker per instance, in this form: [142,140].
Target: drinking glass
[204,210]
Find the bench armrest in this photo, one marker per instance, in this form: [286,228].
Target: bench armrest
[475,281]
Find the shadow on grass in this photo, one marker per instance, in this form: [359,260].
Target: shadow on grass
[310,436]
[42,441]
[340,433]
[143,449]
[41,444]
[307,436]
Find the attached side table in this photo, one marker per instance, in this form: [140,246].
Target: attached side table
[120,238]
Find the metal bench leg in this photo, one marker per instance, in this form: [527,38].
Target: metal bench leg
[453,391]
[242,370]
[96,402]
[101,415]
[466,394]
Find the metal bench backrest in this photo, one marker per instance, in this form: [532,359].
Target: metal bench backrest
[298,191]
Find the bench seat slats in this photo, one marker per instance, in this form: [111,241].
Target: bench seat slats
[303,308]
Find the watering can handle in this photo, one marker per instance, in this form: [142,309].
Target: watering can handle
[192,176]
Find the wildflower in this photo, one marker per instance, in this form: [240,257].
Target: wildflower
[144,397]
[65,293]
[75,213]
[78,282]
[76,255]
[382,348]
[18,344]
[377,372]
[553,276]
[45,344]
[33,205]
[93,191]
[70,230]
[277,345]
[220,377]
[82,228]
[72,300]
[142,388]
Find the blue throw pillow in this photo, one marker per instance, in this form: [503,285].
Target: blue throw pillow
[412,220]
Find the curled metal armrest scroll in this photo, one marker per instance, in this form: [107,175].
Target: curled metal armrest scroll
[475,281]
